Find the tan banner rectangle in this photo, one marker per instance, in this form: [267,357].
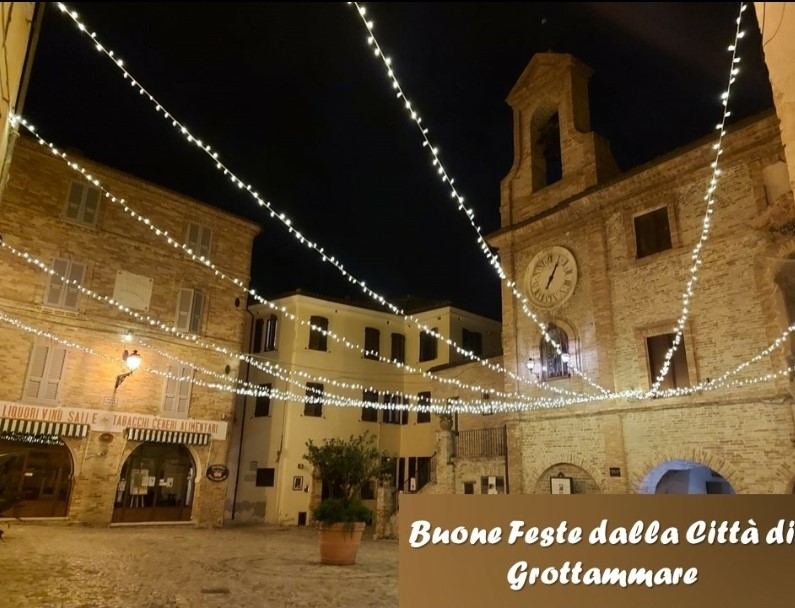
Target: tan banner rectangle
[650,551]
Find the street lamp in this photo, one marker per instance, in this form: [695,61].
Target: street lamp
[133,362]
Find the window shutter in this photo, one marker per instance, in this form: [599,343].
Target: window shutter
[54,373]
[183,309]
[56,286]
[170,394]
[196,312]
[405,417]
[270,333]
[183,394]
[38,363]
[193,237]
[204,244]
[91,209]
[76,273]
[74,200]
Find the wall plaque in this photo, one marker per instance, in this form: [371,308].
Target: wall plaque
[217,472]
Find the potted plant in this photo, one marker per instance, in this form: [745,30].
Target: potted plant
[343,466]
[446,421]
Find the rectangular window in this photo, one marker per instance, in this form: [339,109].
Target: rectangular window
[45,372]
[394,416]
[472,341]
[469,487]
[82,204]
[58,294]
[399,348]
[370,414]
[189,311]
[318,340]
[487,410]
[199,238]
[492,485]
[262,406]
[176,397]
[428,346]
[678,375]
[652,232]
[264,334]
[265,478]
[313,406]
[372,343]
[423,400]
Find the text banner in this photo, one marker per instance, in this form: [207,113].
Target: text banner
[597,550]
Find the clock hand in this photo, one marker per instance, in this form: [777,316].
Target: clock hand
[552,275]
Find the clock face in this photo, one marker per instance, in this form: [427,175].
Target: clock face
[551,277]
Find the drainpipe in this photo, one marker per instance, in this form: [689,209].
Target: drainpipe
[243,417]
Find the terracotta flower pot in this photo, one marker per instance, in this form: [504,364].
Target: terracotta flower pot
[339,543]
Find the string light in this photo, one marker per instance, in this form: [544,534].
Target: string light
[511,284]
[707,223]
[458,198]
[288,223]
[205,261]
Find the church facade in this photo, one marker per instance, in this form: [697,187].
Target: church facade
[604,259]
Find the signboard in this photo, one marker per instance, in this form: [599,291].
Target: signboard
[111,422]
[217,472]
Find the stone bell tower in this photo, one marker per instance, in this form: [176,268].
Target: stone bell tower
[556,155]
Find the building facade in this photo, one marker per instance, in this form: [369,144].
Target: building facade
[91,287]
[18,34]
[604,258]
[274,482]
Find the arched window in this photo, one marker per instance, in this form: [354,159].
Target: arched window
[554,365]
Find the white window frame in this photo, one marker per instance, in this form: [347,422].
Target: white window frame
[177,391]
[79,217]
[188,316]
[59,295]
[204,239]
[50,378]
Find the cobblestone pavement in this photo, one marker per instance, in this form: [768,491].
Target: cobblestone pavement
[48,566]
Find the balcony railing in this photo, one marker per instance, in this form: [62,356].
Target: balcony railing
[480,443]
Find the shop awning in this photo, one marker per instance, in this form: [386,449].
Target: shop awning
[168,436]
[39,427]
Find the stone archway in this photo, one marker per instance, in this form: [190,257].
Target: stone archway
[581,481]
[684,477]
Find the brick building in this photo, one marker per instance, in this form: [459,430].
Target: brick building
[623,243]
[99,444]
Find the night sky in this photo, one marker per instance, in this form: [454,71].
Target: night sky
[296,103]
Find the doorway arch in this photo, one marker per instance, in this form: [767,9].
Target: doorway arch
[157,483]
[684,477]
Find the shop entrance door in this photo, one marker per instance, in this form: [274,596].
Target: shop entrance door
[156,484]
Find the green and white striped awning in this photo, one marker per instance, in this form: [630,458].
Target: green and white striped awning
[156,436]
[39,427]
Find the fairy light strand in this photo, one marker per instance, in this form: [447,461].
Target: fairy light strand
[457,197]
[280,216]
[208,264]
[266,366]
[707,222]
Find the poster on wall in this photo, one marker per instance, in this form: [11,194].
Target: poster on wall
[560,485]
[139,482]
